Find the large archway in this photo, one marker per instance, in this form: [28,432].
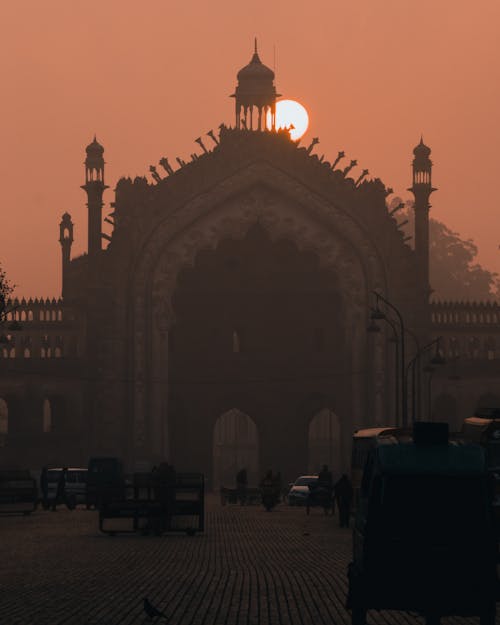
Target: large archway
[256,319]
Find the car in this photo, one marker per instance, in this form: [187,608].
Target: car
[299,490]
[75,486]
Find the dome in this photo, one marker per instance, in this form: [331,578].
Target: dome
[255,69]
[94,148]
[422,150]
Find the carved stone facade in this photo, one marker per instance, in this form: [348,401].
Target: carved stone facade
[240,284]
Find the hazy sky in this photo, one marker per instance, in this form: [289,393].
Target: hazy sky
[150,77]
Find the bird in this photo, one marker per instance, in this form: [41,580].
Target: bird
[151,611]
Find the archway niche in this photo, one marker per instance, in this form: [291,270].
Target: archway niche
[324,442]
[235,447]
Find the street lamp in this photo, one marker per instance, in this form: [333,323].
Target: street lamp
[437,359]
[377,314]
[381,315]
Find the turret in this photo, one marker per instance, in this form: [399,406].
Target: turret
[94,187]
[66,240]
[422,189]
[255,95]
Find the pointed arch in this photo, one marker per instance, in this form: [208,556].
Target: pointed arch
[235,447]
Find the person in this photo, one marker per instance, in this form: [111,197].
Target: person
[242,485]
[325,487]
[44,487]
[267,489]
[164,491]
[60,490]
[343,495]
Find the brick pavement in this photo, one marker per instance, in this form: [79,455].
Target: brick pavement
[250,567]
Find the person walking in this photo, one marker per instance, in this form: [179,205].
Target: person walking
[242,485]
[343,495]
[325,488]
[60,495]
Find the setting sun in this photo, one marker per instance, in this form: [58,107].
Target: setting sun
[291,113]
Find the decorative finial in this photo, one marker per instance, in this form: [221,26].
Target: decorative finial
[255,41]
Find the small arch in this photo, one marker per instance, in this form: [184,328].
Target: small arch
[53,316]
[57,352]
[27,352]
[59,315]
[4,417]
[30,315]
[235,447]
[42,315]
[46,416]
[43,352]
[12,352]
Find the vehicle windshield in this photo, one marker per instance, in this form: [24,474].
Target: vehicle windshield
[431,507]
[305,481]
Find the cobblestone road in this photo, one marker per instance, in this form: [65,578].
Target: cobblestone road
[250,567]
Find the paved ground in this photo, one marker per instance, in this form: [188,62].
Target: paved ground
[250,567]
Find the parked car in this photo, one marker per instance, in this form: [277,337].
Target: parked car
[75,487]
[299,490]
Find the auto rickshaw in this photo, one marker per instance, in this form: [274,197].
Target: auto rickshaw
[424,539]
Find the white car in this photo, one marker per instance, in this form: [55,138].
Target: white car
[299,490]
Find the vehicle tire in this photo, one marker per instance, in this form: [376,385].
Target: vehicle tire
[488,616]
[358,615]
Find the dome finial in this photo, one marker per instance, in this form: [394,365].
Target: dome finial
[255,42]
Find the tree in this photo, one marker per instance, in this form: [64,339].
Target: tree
[6,289]
[454,272]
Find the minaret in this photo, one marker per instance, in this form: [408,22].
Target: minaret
[422,189]
[94,187]
[255,95]
[66,240]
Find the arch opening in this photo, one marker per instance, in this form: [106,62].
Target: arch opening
[235,447]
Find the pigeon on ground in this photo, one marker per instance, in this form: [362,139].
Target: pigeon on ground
[151,611]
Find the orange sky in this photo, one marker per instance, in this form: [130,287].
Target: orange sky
[149,78]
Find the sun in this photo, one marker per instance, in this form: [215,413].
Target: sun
[290,114]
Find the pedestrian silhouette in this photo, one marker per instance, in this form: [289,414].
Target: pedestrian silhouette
[343,495]
[151,611]
[61,489]
[242,485]
[44,487]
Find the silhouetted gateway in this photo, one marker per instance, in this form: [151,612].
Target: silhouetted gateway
[224,325]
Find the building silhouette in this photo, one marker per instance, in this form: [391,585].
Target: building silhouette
[224,321]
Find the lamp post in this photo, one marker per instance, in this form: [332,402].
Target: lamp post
[381,315]
[437,359]
[377,314]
